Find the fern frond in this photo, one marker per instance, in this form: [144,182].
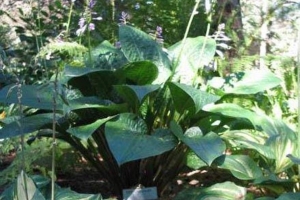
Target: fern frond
[63,49]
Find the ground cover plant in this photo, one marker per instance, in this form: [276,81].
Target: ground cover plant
[140,111]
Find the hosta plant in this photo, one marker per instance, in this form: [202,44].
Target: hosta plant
[138,115]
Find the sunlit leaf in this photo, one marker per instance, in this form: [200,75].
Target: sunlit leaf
[282,145]
[207,147]
[220,191]
[196,52]
[254,81]
[241,166]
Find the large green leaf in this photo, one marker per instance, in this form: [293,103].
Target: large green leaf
[139,46]
[195,53]
[241,166]
[220,191]
[191,56]
[141,72]
[254,81]
[84,132]
[28,125]
[35,96]
[249,140]
[187,98]
[261,122]
[135,95]
[128,140]
[207,147]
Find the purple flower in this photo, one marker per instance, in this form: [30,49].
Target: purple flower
[91,26]
[124,17]
[81,30]
[159,31]
[81,22]
[92,3]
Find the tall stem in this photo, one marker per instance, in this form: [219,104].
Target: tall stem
[19,96]
[187,31]
[54,136]
[69,18]
[298,94]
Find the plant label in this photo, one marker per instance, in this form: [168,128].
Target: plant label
[148,193]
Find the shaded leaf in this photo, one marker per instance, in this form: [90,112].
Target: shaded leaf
[85,132]
[139,46]
[187,98]
[28,124]
[289,196]
[193,161]
[135,95]
[140,73]
[35,96]
[128,141]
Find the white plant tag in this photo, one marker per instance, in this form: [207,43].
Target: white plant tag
[148,193]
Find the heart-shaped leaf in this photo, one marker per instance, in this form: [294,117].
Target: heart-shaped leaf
[207,147]
[139,46]
[128,141]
